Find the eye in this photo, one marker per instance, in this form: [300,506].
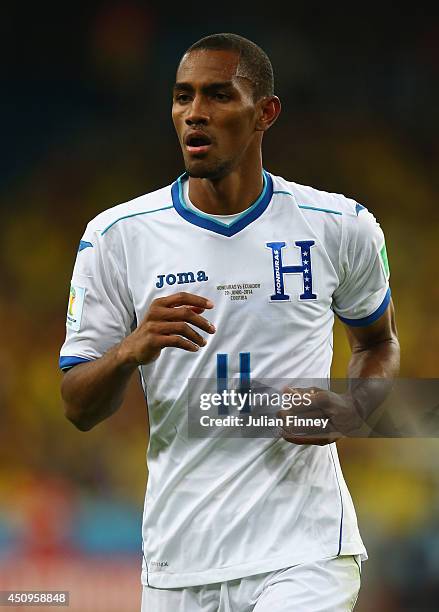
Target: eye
[182,98]
[221,97]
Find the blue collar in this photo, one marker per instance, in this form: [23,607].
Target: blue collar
[203,220]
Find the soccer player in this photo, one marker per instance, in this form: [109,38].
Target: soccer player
[230,273]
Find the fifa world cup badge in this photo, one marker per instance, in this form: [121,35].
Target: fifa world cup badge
[75,307]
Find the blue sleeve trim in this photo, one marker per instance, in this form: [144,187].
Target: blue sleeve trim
[65,363]
[372,317]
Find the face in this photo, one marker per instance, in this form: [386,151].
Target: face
[213,113]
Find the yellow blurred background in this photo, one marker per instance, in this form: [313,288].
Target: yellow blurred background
[86,109]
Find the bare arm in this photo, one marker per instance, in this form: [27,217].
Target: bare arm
[374,361]
[93,391]
[373,365]
[375,348]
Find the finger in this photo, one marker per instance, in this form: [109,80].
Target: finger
[302,412]
[296,392]
[302,390]
[177,342]
[185,299]
[171,328]
[305,440]
[185,314]
[311,437]
[196,309]
[291,390]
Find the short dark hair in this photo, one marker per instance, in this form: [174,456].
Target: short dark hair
[254,63]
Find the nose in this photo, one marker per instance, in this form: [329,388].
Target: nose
[198,113]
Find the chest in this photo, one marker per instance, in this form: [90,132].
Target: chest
[282,267]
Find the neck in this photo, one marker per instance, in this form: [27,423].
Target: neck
[229,195]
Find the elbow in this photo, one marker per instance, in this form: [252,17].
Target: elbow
[77,419]
[74,413]
[82,425]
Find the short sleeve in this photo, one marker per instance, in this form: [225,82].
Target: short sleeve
[99,310]
[363,293]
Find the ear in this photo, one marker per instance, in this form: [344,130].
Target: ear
[268,111]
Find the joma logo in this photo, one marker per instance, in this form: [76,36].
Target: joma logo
[180,278]
[160,563]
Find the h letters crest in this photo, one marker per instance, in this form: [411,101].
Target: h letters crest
[304,269]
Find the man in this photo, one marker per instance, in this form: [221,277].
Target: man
[231,523]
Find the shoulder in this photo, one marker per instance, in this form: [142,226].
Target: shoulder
[339,214]
[154,201]
[312,199]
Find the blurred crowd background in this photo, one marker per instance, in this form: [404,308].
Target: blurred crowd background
[85,110]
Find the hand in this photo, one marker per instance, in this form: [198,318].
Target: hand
[166,323]
[339,409]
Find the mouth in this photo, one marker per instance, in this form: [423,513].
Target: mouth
[197,143]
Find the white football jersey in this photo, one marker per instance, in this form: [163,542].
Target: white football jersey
[220,508]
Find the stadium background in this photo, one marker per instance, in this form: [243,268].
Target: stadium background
[85,125]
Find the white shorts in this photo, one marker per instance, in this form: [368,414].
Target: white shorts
[330,585]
